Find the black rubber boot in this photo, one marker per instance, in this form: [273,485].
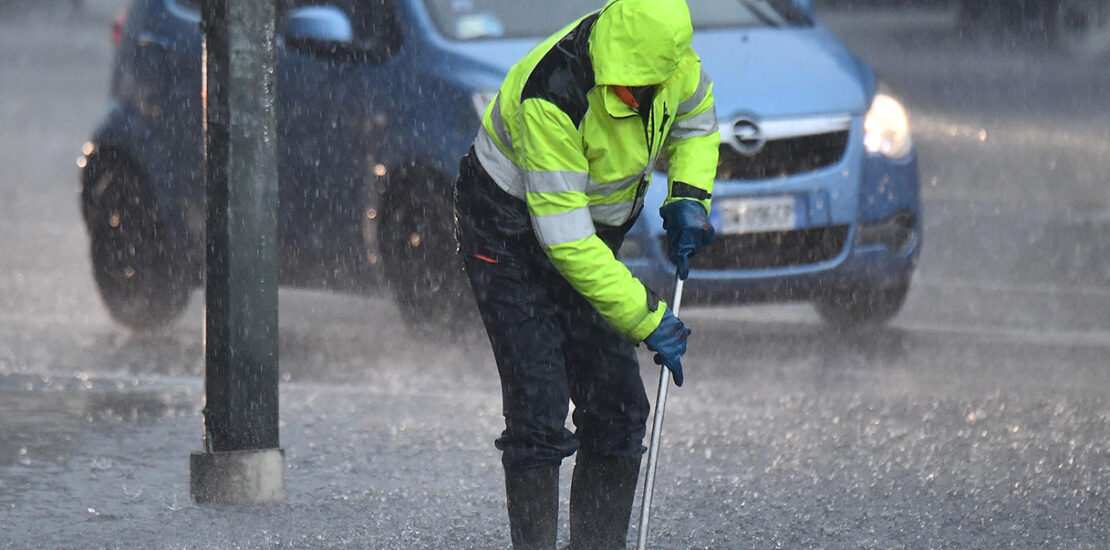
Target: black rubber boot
[601,495]
[533,501]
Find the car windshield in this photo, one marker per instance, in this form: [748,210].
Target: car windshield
[476,19]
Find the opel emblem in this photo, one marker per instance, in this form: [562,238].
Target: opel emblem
[746,136]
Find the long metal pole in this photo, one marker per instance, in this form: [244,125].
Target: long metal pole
[241,320]
[242,461]
[657,430]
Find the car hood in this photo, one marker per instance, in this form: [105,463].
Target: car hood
[770,73]
[774,73]
[490,58]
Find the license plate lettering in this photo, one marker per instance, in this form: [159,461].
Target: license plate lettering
[759,214]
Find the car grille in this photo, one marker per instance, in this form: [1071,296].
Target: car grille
[783,157]
[769,250]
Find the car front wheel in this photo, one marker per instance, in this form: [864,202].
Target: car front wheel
[135,266]
[417,239]
[847,309]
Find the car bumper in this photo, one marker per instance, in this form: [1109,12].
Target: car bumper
[863,231]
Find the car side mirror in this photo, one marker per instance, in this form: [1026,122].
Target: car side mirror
[318,30]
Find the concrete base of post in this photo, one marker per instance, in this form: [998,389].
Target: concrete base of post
[238,477]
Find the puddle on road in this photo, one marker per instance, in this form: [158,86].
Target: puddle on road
[56,413]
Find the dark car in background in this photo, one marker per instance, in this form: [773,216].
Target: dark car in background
[1079,27]
[816,196]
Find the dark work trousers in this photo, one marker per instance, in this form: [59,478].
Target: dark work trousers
[550,344]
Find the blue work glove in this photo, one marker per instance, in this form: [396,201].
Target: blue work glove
[688,229]
[668,341]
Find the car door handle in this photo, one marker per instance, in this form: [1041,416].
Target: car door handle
[152,41]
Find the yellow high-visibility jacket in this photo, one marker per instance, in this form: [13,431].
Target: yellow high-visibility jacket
[557,136]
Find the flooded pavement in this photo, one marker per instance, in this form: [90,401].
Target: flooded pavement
[977,419]
[787,437]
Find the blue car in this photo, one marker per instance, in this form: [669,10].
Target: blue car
[816,195]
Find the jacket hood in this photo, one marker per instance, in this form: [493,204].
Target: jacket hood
[639,42]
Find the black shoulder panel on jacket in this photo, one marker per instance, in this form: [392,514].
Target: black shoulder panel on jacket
[565,74]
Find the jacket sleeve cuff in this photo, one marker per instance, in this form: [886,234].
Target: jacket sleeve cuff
[650,322]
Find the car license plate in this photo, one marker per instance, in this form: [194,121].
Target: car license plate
[760,214]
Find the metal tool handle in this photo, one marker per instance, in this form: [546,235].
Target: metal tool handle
[657,430]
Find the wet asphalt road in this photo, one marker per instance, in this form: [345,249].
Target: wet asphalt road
[977,419]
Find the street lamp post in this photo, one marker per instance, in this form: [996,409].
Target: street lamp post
[242,461]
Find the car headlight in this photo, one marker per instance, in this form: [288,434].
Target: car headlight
[481,101]
[887,127]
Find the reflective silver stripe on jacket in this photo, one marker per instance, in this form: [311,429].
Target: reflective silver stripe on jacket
[510,178]
[612,214]
[499,124]
[693,101]
[606,189]
[553,181]
[701,124]
[498,166]
[564,227]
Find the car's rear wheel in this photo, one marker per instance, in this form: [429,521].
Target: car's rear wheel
[135,265]
[419,253]
[847,309]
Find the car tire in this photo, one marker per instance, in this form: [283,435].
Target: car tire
[848,309]
[420,258]
[135,265]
